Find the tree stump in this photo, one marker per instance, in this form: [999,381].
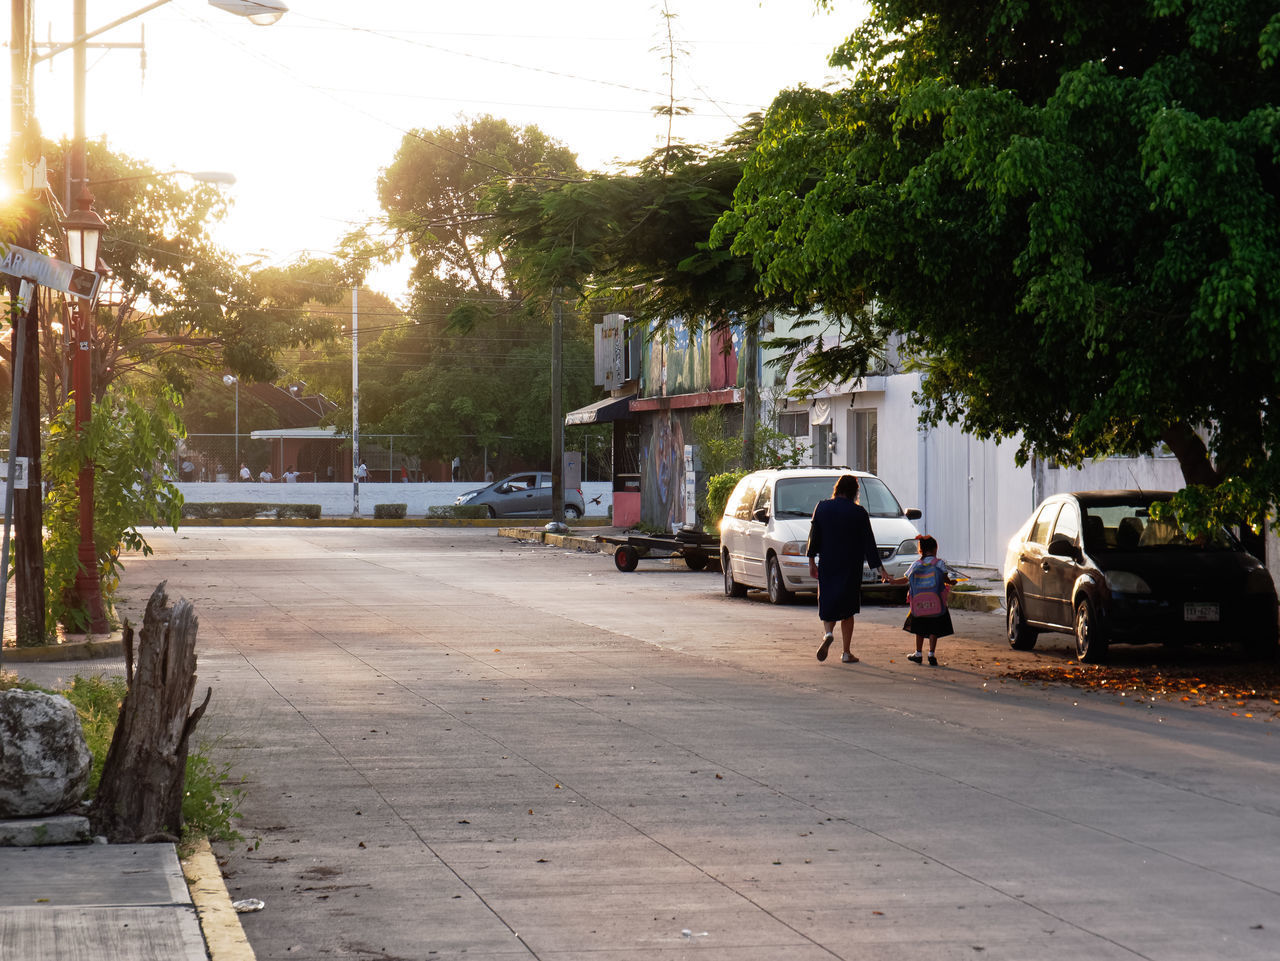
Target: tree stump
[143,778]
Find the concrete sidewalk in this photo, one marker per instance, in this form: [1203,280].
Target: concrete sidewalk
[100,902]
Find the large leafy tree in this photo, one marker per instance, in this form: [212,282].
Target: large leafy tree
[1070,209]
[432,195]
[175,303]
[467,369]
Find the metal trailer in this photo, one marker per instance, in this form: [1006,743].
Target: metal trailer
[697,548]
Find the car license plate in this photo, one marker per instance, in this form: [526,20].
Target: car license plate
[868,575]
[1200,612]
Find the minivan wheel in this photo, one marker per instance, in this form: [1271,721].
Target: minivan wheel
[778,593]
[1091,639]
[731,587]
[1021,637]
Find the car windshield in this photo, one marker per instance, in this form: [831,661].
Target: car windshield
[798,496]
[1130,527]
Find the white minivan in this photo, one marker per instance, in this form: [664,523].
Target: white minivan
[765,530]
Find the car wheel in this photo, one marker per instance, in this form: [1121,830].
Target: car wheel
[626,558]
[695,560]
[1021,637]
[571,511]
[1091,639]
[778,593]
[731,587]
[492,513]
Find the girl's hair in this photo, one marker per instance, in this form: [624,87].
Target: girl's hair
[846,486]
[927,545]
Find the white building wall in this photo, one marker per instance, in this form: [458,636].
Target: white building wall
[972,494]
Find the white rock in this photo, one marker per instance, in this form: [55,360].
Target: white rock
[44,763]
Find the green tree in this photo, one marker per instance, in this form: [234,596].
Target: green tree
[638,241]
[432,194]
[175,303]
[1069,209]
[466,369]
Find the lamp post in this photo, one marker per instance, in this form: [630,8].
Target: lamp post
[230,379]
[84,228]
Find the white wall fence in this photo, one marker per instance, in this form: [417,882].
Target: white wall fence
[336,500]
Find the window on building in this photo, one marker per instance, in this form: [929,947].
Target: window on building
[863,443]
[794,423]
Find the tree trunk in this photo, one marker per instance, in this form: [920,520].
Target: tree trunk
[28,505]
[28,533]
[143,779]
[1193,456]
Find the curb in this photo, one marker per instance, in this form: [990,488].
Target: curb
[223,934]
[576,541]
[111,645]
[975,601]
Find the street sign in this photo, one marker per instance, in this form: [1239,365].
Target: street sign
[49,272]
[19,472]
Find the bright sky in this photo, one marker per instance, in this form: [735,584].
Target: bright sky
[307,112]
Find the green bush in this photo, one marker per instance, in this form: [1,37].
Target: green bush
[242,510]
[462,511]
[125,438]
[719,487]
[224,510]
[390,512]
[310,512]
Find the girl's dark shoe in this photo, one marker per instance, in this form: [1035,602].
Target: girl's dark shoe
[933,660]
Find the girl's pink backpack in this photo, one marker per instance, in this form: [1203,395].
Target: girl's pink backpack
[928,588]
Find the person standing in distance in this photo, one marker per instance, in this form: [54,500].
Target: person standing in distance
[840,539]
[245,475]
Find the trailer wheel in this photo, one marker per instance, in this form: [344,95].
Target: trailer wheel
[696,559]
[625,558]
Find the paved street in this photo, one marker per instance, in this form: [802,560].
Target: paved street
[457,746]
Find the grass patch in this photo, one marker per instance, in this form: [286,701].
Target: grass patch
[97,701]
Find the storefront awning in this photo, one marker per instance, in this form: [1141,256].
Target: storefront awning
[601,412]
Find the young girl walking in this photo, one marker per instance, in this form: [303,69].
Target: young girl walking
[928,581]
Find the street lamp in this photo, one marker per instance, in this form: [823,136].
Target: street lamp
[84,228]
[262,12]
[230,379]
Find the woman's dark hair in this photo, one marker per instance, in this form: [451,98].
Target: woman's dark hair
[846,486]
[927,544]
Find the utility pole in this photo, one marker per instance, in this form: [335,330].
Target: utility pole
[751,394]
[27,508]
[355,402]
[557,419]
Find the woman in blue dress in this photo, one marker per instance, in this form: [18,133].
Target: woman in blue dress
[840,539]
